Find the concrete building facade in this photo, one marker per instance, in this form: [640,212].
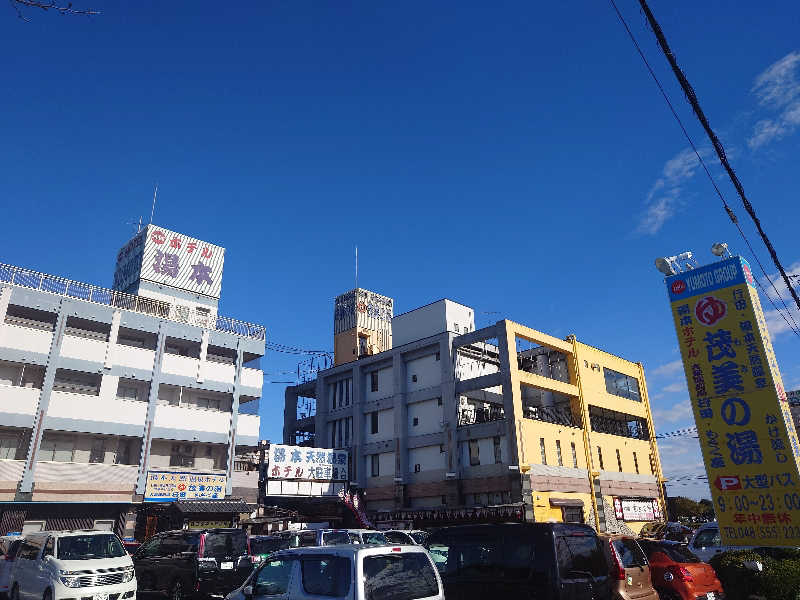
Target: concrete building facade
[502,422]
[99,386]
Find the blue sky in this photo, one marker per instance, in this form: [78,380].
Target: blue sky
[514,157]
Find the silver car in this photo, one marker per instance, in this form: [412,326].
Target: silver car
[354,572]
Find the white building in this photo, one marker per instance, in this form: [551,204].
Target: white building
[99,387]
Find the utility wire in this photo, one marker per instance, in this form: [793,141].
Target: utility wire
[692,97]
[794,328]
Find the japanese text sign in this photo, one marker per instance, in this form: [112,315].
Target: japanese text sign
[163,256]
[169,486]
[299,462]
[628,509]
[749,443]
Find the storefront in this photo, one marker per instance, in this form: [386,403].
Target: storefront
[153,518]
[29,517]
[439,517]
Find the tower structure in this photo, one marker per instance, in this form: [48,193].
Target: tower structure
[362,325]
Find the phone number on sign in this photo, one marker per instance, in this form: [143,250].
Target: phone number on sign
[771,532]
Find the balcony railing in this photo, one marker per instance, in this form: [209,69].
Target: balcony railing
[632,429]
[551,414]
[477,414]
[140,304]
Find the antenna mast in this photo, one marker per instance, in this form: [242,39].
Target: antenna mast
[356,267]
[153,210]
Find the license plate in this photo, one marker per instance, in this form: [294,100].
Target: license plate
[101,597]
[710,596]
[229,565]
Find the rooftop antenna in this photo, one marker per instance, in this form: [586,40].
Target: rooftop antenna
[153,210]
[356,267]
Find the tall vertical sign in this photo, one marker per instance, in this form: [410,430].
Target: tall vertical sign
[749,443]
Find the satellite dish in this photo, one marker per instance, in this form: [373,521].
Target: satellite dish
[665,266]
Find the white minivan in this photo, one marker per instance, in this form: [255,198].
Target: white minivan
[72,565]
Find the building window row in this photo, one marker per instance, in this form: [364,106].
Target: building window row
[602,467]
[616,423]
[115,450]
[622,385]
[340,393]
[341,430]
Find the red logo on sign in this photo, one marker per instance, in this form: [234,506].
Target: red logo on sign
[158,237]
[679,286]
[748,275]
[728,482]
[709,310]
[181,487]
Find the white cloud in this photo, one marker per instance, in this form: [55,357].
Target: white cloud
[678,386]
[778,90]
[680,411]
[776,323]
[663,199]
[682,463]
[669,369]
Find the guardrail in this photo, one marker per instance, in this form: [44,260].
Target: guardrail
[157,308]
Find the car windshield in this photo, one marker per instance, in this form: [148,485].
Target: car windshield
[678,553]
[419,536]
[330,538]
[89,547]
[226,543]
[266,545]
[374,537]
[397,537]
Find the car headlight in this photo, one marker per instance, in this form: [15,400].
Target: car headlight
[70,578]
[128,574]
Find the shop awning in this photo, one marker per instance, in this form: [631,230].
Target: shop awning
[213,506]
[566,502]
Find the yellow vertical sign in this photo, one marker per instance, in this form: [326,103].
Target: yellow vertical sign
[749,443]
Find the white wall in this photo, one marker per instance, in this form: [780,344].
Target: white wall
[427,457]
[161,450]
[135,358]
[385,385]
[248,425]
[25,338]
[385,426]
[428,371]
[219,371]
[179,365]
[84,348]
[19,400]
[176,417]
[96,408]
[385,464]
[252,377]
[429,417]
[460,318]
[426,321]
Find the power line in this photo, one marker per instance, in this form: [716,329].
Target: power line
[720,150]
[794,328]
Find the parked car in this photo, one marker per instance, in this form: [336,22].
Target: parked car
[401,536]
[366,536]
[261,546]
[56,565]
[193,561]
[630,571]
[9,544]
[131,545]
[671,530]
[706,542]
[314,537]
[547,561]
[357,572]
[678,574]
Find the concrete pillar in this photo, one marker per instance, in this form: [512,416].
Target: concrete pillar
[201,364]
[290,414]
[152,404]
[357,459]
[512,394]
[400,413]
[237,384]
[29,469]
[5,297]
[113,336]
[450,419]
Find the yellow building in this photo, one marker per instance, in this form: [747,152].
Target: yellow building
[456,424]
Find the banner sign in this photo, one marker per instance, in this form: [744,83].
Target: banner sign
[163,256]
[749,443]
[299,462]
[630,509]
[169,486]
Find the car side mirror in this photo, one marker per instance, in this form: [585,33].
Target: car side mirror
[247,591]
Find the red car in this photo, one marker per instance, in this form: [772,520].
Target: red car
[678,574]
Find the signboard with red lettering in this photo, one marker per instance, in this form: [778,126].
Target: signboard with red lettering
[162,256]
[747,436]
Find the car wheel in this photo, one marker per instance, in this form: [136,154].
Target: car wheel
[48,595]
[176,591]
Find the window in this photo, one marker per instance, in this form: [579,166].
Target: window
[636,462]
[414,378]
[374,422]
[182,455]
[126,392]
[8,446]
[123,454]
[98,452]
[574,455]
[439,401]
[619,461]
[415,421]
[441,448]
[374,381]
[103,525]
[444,502]
[326,576]
[375,461]
[543,450]
[498,452]
[150,548]
[438,356]
[399,577]
[622,385]
[57,449]
[474,453]
[362,345]
[273,578]
[600,457]
[572,514]
[558,453]
[456,328]
[578,555]
[417,468]
[629,553]
[707,537]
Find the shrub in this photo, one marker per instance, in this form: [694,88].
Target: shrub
[738,581]
[780,579]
